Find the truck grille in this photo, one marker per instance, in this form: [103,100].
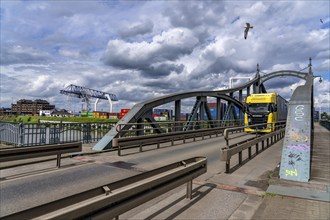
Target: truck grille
[259,120]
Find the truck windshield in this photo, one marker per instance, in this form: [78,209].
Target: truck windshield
[258,107]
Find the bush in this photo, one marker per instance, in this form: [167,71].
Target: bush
[36,119]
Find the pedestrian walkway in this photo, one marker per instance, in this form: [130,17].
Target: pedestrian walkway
[295,200]
[290,208]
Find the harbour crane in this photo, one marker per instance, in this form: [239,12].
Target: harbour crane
[86,94]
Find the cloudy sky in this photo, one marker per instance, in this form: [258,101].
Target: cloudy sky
[139,50]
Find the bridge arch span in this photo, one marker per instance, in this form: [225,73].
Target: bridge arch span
[143,111]
[282,73]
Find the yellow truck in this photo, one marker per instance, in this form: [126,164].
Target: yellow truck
[264,108]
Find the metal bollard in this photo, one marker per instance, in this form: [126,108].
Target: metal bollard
[58,161]
[189,190]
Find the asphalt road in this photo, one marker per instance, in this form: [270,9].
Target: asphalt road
[21,192]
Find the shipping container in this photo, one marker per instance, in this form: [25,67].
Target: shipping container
[124,110]
[212,104]
[168,113]
[213,109]
[86,114]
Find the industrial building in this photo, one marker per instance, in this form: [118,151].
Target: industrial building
[25,106]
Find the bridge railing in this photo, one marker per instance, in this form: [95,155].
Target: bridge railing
[115,198]
[20,153]
[325,123]
[147,128]
[157,139]
[256,127]
[250,139]
[34,134]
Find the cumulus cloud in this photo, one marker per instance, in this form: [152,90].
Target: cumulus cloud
[195,14]
[151,58]
[136,29]
[75,54]
[23,54]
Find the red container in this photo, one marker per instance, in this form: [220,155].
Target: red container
[212,104]
[124,110]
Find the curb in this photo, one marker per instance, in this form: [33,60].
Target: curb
[248,208]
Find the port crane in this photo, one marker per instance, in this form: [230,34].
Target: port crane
[86,94]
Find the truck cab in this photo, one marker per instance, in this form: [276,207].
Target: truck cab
[261,109]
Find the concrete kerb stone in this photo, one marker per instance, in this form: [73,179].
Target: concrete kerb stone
[248,208]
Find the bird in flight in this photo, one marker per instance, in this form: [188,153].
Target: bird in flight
[321,21]
[248,26]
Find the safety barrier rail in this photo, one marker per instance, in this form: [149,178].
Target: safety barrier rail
[11,154]
[111,200]
[149,128]
[237,148]
[325,124]
[34,134]
[140,141]
[256,127]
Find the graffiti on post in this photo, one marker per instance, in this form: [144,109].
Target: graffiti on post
[297,138]
[293,158]
[296,135]
[291,172]
[299,113]
[299,147]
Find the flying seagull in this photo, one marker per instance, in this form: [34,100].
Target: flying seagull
[247,30]
[321,21]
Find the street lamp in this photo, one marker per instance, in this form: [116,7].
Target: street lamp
[320,80]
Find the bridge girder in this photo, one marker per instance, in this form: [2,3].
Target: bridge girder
[282,73]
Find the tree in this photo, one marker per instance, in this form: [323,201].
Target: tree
[325,116]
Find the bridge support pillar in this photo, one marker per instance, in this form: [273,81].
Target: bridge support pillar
[240,98]
[202,111]
[218,113]
[140,127]
[177,112]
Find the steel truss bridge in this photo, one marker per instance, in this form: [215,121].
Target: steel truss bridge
[142,112]
[86,94]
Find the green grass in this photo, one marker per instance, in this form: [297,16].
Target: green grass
[35,119]
[268,195]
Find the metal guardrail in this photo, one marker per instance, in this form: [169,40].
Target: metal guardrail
[148,128]
[20,134]
[140,141]
[11,154]
[325,124]
[277,125]
[237,148]
[111,200]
